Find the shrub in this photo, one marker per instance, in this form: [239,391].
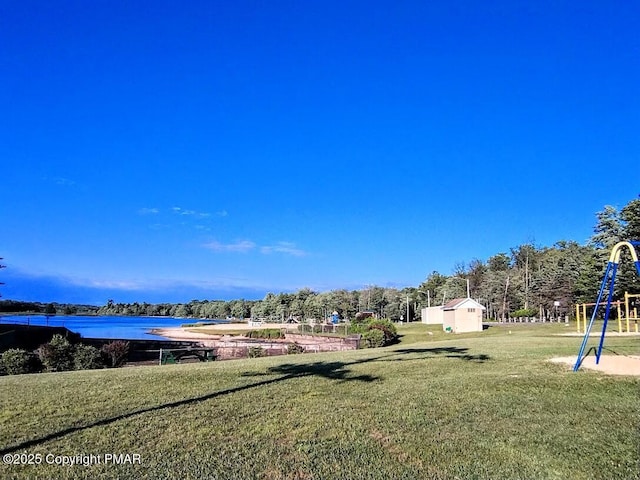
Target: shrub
[386,327]
[254,352]
[356,328]
[525,312]
[15,361]
[86,357]
[275,333]
[362,317]
[57,355]
[116,352]
[374,338]
[294,348]
[265,333]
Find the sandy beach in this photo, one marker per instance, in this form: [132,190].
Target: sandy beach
[213,332]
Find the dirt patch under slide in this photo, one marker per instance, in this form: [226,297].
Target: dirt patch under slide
[609,364]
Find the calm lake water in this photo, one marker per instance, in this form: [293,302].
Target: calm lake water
[129,328]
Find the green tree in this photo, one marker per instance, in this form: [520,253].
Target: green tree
[498,289]
[455,287]
[86,357]
[57,355]
[116,352]
[589,277]
[15,361]
[525,262]
[630,215]
[476,272]
[499,263]
[613,226]
[240,309]
[558,275]
[608,230]
[628,276]
[431,291]
[183,310]
[396,305]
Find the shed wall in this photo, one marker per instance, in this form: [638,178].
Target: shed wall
[432,315]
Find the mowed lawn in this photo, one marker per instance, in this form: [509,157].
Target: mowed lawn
[441,406]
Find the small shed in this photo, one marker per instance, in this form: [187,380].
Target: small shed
[462,315]
[433,315]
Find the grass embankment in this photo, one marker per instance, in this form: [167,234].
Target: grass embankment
[481,406]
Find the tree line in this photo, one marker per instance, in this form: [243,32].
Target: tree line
[527,280]
[16,306]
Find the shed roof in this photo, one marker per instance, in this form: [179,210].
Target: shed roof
[462,302]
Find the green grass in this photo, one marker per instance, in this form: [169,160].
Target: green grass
[441,406]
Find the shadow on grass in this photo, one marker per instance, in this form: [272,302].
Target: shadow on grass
[336,371]
[330,370]
[448,352]
[611,351]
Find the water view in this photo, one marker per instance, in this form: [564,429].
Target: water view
[129,328]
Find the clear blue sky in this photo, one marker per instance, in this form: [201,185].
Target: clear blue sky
[171,150]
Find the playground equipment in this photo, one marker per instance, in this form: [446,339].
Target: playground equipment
[609,278]
[626,314]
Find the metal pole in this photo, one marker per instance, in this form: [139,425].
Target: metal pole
[593,317]
[407,308]
[606,314]
[619,318]
[626,311]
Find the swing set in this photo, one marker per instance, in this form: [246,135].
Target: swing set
[609,278]
[627,314]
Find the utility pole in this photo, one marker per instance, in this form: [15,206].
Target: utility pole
[504,299]
[407,308]
[2,266]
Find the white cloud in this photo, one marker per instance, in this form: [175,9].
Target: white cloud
[112,284]
[222,213]
[64,181]
[286,248]
[242,246]
[148,211]
[190,213]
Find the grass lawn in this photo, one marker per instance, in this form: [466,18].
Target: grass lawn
[442,406]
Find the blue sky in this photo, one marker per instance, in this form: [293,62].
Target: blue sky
[165,151]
